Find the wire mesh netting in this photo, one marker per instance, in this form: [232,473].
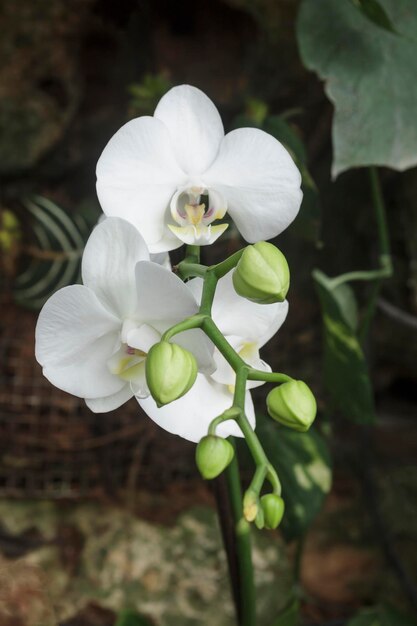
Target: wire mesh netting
[52,445]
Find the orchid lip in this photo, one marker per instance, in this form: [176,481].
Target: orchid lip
[194,218]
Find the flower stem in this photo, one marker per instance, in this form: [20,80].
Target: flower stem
[384,251]
[236,538]
[190,270]
[269,377]
[385,261]
[193,254]
[258,454]
[247,595]
[195,321]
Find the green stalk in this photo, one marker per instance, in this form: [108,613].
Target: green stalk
[269,377]
[239,550]
[384,251]
[385,261]
[193,254]
[247,596]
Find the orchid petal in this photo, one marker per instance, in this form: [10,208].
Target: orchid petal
[137,174]
[108,265]
[194,125]
[165,305]
[161,258]
[75,336]
[190,416]
[259,180]
[143,338]
[217,205]
[249,352]
[110,403]
[170,304]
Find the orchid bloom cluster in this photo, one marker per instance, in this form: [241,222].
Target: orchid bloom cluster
[184,344]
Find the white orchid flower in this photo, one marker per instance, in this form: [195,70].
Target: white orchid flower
[162,258]
[92,339]
[247,326]
[174,174]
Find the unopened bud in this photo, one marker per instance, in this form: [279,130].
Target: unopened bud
[262,274]
[213,454]
[250,505]
[170,372]
[292,404]
[273,509]
[260,519]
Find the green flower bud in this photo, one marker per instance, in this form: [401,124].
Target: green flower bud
[260,519]
[273,509]
[170,372]
[262,274]
[250,505]
[213,454]
[292,404]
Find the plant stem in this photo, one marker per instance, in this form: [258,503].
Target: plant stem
[221,269]
[258,454]
[385,262]
[269,377]
[190,270]
[223,345]
[384,251]
[195,321]
[247,596]
[193,254]
[236,539]
[380,213]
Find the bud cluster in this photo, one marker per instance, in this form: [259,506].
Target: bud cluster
[262,276]
[266,511]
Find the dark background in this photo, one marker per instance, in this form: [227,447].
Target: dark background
[66,79]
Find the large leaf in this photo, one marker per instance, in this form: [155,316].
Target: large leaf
[345,369]
[381,616]
[370,76]
[302,461]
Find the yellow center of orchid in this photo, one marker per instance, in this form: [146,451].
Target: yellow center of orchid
[194,218]
[195,213]
[127,363]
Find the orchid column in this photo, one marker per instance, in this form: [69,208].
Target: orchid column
[187,351]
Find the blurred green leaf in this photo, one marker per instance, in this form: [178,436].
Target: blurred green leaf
[289,616]
[307,223]
[281,130]
[381,616]
[54,261]
[303,463]
[345,369]
[374,12]
[369,76]
[256,110]
[346,301]
[131,618]
[145,96]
